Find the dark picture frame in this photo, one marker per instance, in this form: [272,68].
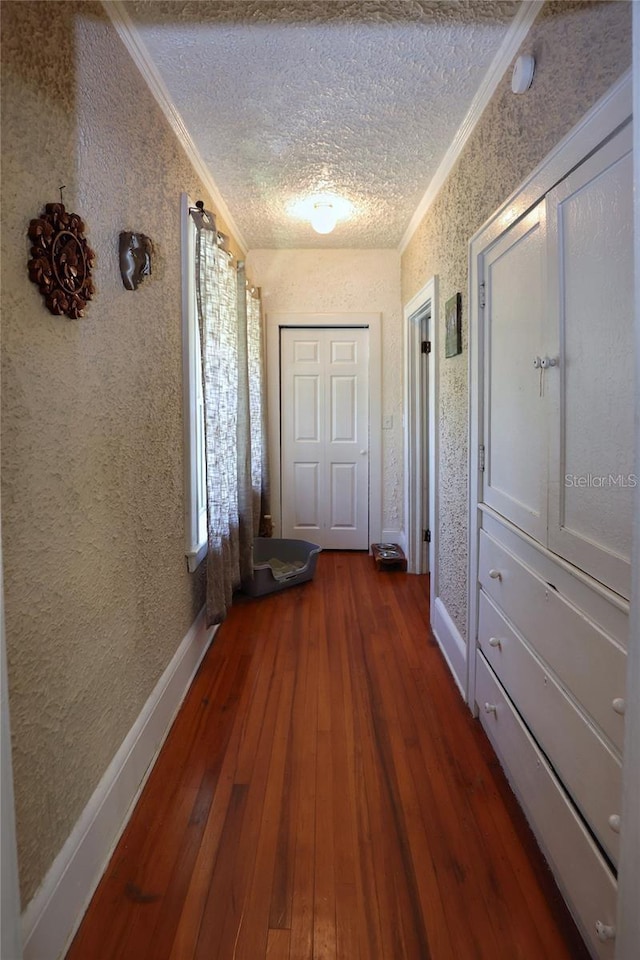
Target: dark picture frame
[453,326]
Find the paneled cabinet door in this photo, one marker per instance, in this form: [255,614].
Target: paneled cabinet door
[590,332]
[515,474]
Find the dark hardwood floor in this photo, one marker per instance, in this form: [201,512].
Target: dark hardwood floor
[325,794]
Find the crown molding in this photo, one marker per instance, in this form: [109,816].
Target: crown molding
[518,30]
[140,55]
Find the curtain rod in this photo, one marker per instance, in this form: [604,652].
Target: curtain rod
[204,218]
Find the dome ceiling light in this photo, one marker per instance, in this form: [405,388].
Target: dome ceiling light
[322,210]
[323,217]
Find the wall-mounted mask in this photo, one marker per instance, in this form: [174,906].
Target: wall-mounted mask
[135,258]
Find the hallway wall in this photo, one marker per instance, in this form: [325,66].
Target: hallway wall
[97,592]
[581,49]
[348,281]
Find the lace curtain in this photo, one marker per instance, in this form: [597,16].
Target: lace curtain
[233,375]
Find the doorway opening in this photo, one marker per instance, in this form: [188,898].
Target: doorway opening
[421,440]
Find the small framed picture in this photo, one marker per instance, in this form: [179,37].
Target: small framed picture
[453,326]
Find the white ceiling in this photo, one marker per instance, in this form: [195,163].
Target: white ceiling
[286,98]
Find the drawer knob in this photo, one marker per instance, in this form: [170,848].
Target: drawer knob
[614,822]
[490,708]
[618,705]
[604,932]
[495,574]
[495,642]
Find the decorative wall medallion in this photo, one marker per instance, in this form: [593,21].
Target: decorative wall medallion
[61,261]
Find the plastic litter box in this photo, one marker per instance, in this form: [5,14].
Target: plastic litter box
[278,564]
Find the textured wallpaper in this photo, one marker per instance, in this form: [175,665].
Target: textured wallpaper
[581,49]
[97,592]
[348,281]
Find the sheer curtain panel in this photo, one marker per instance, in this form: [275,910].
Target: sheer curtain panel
[233,376]
[258,407]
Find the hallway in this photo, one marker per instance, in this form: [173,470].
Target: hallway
[325,793]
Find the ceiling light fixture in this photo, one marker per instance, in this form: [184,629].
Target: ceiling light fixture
[322,210]
[323,217]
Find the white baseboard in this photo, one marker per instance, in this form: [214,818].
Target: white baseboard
[452,645]
[53,916]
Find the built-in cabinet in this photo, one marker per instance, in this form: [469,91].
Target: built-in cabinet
[558,349]
[554,510]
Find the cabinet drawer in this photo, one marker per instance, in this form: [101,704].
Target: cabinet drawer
[589,663]
[589,770]
[582,874]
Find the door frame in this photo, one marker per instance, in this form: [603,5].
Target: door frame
[373,321]
[629,866]
[10,927]
[605,117]
[421,404]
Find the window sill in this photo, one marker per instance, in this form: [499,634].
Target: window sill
[195,557]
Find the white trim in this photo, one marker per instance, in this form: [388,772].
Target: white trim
[629,868]
[53,916]
[452,644]
[195,557]
[10,932]
[194,508]
[130,36]
[372,320]
[514,37]
[414,433]
[604,118]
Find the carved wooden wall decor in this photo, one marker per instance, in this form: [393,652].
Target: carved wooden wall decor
[61,261]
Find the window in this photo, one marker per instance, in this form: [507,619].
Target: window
[194,460]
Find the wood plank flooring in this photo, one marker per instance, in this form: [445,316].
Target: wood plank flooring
[324,794]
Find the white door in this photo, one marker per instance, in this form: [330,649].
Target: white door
[324,403]
[515,473]
[590,223]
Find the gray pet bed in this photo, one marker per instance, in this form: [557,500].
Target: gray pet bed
[278,564]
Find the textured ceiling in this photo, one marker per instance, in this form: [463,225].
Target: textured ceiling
[360,98]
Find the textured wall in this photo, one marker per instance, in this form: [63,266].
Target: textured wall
[357,281]
[580,49]
[97,592]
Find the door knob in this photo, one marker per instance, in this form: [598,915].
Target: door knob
[363,453]
[604,931]
[495,574]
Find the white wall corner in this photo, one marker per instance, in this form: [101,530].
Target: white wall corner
[452,644]
[51,919]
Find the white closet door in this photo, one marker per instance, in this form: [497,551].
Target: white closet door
[590,224]
[514,481]
[325,436]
